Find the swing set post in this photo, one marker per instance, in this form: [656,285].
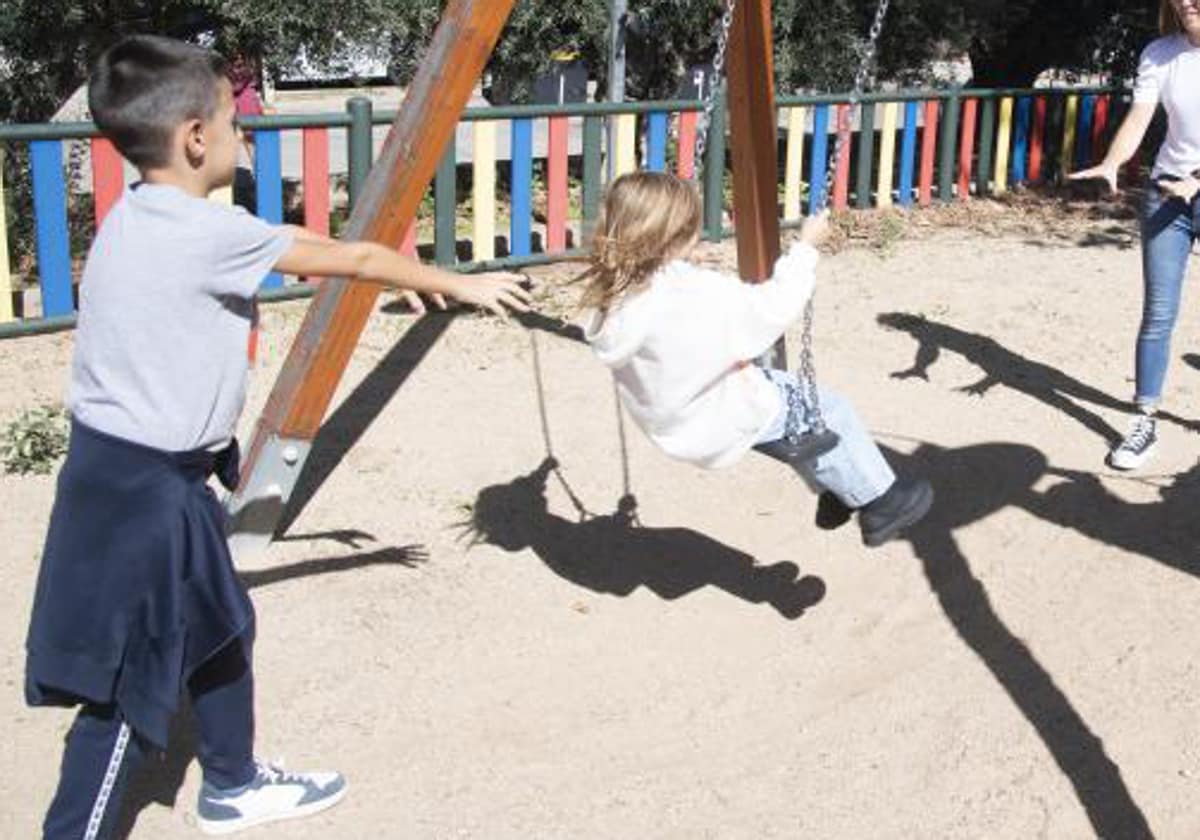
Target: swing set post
[389,198]
[751,92]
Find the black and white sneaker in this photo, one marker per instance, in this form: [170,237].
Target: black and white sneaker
[1138,445]
[273,794]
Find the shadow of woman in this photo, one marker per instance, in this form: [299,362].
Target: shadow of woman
[1001,366]
[613,555]
[1165,530]
[974,482]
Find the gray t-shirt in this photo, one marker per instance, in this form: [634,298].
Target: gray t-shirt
[166,308]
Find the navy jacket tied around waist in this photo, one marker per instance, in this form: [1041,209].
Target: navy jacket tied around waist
[136,588]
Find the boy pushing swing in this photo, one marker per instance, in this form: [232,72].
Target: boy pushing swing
[137,597]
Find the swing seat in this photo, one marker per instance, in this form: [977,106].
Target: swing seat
[800,450]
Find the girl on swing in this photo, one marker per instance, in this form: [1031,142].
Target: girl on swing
[680,340]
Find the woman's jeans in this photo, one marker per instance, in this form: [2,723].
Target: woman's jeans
[854,470]
[1169,226]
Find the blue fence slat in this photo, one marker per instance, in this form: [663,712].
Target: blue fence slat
[908,153]
[1083,136]
[268,178]
[819,158]
[656,142]
[1020,150]
[53,240]
[522,188]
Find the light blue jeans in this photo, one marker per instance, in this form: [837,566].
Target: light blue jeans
[854,470]
[1169,225]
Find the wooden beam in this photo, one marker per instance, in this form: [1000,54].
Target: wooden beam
[753,126]
[426,122]
[751,81]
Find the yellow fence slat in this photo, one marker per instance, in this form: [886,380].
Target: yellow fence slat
[1003,136]
[484,195]
[1071,117]
[887,154]
[626,152]
[795,164]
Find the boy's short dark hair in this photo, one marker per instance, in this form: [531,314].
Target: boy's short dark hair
[144,86]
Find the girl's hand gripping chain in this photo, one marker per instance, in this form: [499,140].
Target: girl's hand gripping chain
[815,231]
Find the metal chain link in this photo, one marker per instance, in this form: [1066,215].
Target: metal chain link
[714,88]
[803,401]
[807,374]
[861,77]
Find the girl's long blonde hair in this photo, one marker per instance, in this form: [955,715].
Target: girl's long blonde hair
[1168,20]
[647,219]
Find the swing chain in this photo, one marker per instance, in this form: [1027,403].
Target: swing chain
[808,370]
[716,81]
[804,400]
[861,76]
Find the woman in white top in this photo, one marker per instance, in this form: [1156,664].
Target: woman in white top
[1169,74]
[680,340]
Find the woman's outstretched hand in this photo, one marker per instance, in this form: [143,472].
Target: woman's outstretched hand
[1105,171]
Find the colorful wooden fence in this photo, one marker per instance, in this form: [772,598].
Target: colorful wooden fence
[543,168]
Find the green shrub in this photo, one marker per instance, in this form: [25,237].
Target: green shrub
[35,441]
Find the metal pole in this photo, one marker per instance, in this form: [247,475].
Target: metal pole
[360,148]
[616,71]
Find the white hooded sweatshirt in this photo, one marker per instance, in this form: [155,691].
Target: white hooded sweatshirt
[679,350]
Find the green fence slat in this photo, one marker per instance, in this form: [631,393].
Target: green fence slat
[445,206]
[951,118]
[714,173]
[593,180]
[361,150]
[987,145]
[866,156]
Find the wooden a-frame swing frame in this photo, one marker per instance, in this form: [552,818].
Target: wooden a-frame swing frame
[426,122]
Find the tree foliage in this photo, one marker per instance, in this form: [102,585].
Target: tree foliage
[47,45]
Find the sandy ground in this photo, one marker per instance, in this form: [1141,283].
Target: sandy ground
[1023,666]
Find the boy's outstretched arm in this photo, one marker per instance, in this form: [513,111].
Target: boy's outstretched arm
[312,255]
[414,300]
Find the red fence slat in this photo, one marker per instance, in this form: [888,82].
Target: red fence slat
[108,177]
[928,150]
[316,180]
[1037,142]
[556,185]
[688,121]
[1100,128]
[966,148]
[841,186]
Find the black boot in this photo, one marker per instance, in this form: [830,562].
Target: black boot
[904,504]
[832,512]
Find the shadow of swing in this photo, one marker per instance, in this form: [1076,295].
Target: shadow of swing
[611,554]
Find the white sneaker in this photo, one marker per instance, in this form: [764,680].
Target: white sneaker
[1138,445]
[273,794]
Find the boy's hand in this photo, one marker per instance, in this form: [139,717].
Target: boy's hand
[494,292]
[815,230]
[417,304]
[1105,171]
